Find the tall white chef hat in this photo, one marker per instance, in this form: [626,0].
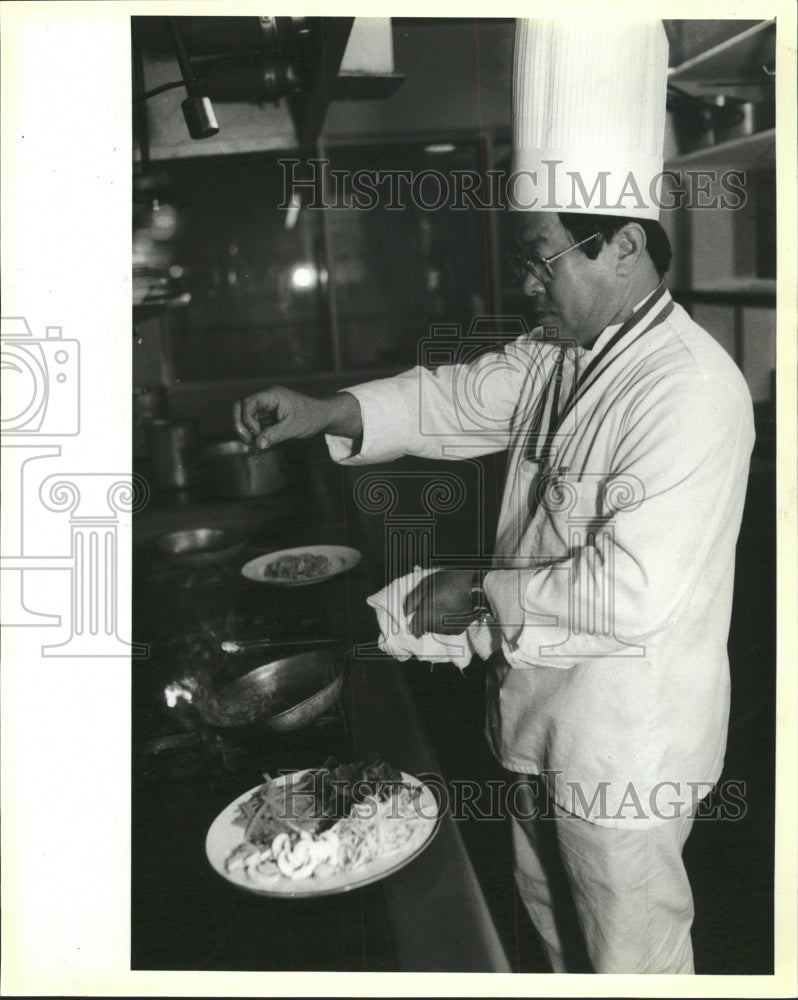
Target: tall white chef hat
[588,116]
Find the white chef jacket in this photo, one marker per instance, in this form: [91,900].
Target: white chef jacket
[613,581]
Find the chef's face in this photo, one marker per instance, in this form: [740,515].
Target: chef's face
[579,296]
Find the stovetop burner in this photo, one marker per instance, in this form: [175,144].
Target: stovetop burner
[161,574]
[185,616]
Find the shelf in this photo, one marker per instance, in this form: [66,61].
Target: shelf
[763,290]
[755,151]
[741,285]
[348,375]
[734,68]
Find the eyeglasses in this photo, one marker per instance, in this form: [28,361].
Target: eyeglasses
[524,263]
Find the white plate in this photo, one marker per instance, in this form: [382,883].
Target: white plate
[224,836]
[341,557]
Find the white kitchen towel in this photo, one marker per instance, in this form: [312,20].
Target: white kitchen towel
[398,641]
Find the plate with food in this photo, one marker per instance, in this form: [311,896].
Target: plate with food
[300,566]
[323,831]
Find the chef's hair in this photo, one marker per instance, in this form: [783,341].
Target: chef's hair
[582,226]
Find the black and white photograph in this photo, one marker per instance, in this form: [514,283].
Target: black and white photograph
[399,457]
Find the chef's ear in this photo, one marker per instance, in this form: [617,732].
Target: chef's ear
[630,243]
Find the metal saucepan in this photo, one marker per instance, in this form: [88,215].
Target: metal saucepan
[201,547]
[283,695]
[240,471]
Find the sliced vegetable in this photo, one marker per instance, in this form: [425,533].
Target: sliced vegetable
[318,822]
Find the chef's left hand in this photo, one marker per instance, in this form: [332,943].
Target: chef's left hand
[437,597]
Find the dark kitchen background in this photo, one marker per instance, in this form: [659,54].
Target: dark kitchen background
[234,290]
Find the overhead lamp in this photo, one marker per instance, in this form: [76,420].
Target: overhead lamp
[197,108]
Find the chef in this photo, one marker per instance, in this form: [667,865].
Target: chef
[629,433]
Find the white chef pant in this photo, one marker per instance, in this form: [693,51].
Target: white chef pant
[604,899]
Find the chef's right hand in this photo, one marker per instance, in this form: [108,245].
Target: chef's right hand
[279,414]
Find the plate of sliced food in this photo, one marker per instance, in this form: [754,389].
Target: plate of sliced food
[323,831]
[301,566]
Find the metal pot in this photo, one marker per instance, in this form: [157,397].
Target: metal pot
[284,695]
[173,446]
[149,404]
[240,471]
